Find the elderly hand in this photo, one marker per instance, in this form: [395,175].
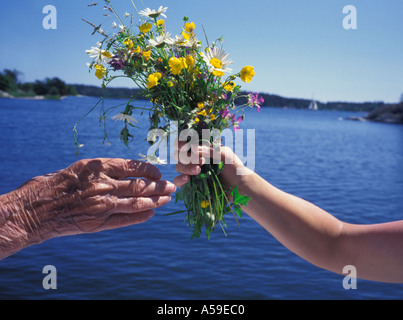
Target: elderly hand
[88,196]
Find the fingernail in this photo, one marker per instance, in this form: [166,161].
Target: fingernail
[171,187]
[195,170]
[185,178]
[165,198]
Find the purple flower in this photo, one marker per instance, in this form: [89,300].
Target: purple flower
[255,101]
[232,117]
[117,63]
[224,112]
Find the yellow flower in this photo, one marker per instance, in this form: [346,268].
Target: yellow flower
[212,117]
[190,60]
[146,54]
[200,105]
[218,73]
[185,35]
[100,71]
[204,203]
[247,73]
[160,22]
[137,50]
[170,83]
[188,30]
[128,43]
[177,64]
[146,27]
[189,27]
[153,80]
[229,86]
[203,113]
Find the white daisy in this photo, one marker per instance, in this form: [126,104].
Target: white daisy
[153,159]
[180,41]
[153,13]
[160,40]
[217,60]
[124,117]
[157,133]
[114,25]
[99,54]
[210,216]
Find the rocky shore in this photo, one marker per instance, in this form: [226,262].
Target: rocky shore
[386,114]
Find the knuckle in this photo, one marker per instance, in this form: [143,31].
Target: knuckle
[85,168]
[139,204]
[137,186]
[100,203]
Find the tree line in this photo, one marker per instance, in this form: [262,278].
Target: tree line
[50,87]
[55,87]
[272,100]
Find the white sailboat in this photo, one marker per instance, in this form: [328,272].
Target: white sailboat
[313,105]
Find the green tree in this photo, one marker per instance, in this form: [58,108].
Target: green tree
[56,86]
[40,88]
[9,79]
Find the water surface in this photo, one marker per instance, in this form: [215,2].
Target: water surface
[354,170]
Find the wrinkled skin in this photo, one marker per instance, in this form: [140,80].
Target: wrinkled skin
[88,196]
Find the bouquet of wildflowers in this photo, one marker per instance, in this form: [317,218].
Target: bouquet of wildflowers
[186,84]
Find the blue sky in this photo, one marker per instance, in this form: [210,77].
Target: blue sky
[298,48]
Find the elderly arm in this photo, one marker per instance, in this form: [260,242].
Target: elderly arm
[88,196]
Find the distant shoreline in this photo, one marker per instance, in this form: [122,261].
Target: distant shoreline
[7,95]
[376,111]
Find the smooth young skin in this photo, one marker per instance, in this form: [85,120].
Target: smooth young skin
[88,196]
[310,232]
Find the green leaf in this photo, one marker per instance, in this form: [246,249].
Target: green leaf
[238,198]
[238,210]
[221,165]
[220,168]
[180,195]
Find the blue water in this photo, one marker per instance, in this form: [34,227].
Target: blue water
[352,169]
